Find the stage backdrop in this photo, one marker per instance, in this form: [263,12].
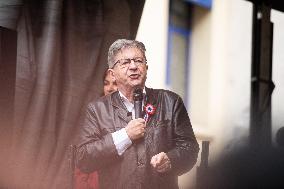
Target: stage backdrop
[61,56]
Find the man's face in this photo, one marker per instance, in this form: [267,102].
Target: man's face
[130,70]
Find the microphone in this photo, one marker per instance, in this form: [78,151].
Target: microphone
[137,98]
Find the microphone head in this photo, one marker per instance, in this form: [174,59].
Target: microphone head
[138,94]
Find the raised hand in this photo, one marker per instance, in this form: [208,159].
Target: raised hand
[161,162]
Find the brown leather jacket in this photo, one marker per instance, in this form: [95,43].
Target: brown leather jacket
[169,130]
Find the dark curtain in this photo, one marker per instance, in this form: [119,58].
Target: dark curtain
[61,56]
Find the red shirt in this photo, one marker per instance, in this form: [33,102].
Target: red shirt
[85,180]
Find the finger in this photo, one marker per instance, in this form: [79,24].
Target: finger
[159,159]
[141,124]
[138,131]
[160,164]
[164,167]
[156,159]
[140,120]
[163,170]
[153,161]
[165,158]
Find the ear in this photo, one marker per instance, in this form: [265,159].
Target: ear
[111,72]
[147,67]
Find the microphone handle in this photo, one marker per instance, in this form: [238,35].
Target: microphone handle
[138,109]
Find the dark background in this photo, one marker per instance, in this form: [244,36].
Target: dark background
[55,63]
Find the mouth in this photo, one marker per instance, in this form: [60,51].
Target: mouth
[134,76]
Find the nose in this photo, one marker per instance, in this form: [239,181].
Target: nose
[132,64]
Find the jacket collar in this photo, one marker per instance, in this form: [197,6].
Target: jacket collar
[116,101]
[151,98]
[120,108]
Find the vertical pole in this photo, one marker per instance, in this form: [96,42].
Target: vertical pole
[261,77]
[202,170]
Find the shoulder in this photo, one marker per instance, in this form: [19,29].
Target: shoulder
[101,101]
[167,94]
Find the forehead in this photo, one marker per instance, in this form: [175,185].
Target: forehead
[128,52]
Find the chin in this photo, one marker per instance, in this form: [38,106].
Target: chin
[134,83]
[140,85]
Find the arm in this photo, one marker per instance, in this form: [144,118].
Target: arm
[99,149]
[184,154]
[95,149]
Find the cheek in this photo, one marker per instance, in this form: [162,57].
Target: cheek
[119,75]
[123,76]
[113,85]
[144,71]
[106,87]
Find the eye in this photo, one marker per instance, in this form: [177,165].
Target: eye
[125,62]
[106,83]
[138,60]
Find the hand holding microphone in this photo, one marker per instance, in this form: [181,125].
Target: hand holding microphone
[135,129]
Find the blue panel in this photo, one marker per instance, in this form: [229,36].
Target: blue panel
[203,3]
[187,34]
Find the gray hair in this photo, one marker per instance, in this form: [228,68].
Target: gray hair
[122,44]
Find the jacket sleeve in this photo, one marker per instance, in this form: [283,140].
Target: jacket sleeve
[95,149]
[185,152]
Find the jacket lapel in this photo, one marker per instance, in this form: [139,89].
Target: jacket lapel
[122,112]
[119,107]
[151,98]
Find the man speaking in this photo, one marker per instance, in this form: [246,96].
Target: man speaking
[146,151]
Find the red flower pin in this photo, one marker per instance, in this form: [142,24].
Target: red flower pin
[150,109]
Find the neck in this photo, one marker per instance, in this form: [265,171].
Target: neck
[128,93]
